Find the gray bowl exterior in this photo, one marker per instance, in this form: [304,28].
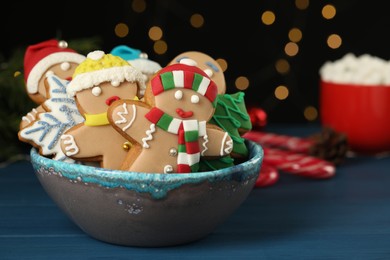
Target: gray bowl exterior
[147,209]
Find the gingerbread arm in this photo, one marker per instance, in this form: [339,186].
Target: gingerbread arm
[76,142]
[215,143]
[128,118]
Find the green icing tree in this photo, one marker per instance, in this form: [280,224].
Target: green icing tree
[231,115]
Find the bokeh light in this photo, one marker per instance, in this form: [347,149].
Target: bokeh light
[328,11]
[282,66]
[197,20]
[155,33]
[310,113]
[138,6]
[268,17]
[281,92]
[242,83]
[295,35]
[223,63]
[302,4]
[121,30]
[291,49]
[334,41]
[160,47]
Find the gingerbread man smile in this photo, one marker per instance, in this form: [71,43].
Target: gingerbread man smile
[112,99]
[184,114]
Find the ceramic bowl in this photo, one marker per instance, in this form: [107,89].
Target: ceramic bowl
[362,112]
[147,209]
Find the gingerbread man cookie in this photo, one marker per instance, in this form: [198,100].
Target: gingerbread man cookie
[47,57]
[97,82]
[170,129]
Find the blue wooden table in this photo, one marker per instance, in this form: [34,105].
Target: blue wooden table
[345,217]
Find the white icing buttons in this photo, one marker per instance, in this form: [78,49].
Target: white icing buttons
[172,152]
[168,169]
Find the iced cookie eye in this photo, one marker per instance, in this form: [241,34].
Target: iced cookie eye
[179,94]
[96,91]
[194,99]
[65,66]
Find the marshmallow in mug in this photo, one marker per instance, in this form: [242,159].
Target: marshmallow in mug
[350,69]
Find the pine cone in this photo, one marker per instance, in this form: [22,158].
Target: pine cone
[329,145]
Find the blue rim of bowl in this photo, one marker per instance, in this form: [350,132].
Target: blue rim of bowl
[157,184]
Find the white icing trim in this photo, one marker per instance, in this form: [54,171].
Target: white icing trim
[229,147]
[149,136]
[89,79]
[69,139]
[204,144]
[95,55]
[26,119]
[45,63]
[146,66]
[132,119]
[221,153]
[120,113]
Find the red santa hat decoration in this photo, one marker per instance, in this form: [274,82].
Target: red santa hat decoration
[41,56]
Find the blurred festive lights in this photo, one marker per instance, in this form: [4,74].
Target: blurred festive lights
[282,66]
[268,17]
[291,49]
[302,4]
[242,83]
[121,30]
[197,20]
[160,47]
[295,35]
[310,113]
[223,63]
[17,73]
[328,11]
[155,33]
[334,41]
[281,92]
[138,6]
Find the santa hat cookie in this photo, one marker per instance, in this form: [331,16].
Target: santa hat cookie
[99,67]
[41,56]
[184,76]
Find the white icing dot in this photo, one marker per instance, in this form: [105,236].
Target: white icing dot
[195,99]
[65,66]
[188,61]
[209,72]
[115,83]
[95,55]
[96,91]
[179,94]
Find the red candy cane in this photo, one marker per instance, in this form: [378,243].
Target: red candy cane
[268,176]
[296,144]
[299,164]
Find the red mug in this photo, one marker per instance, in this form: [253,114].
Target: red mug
[362,112]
